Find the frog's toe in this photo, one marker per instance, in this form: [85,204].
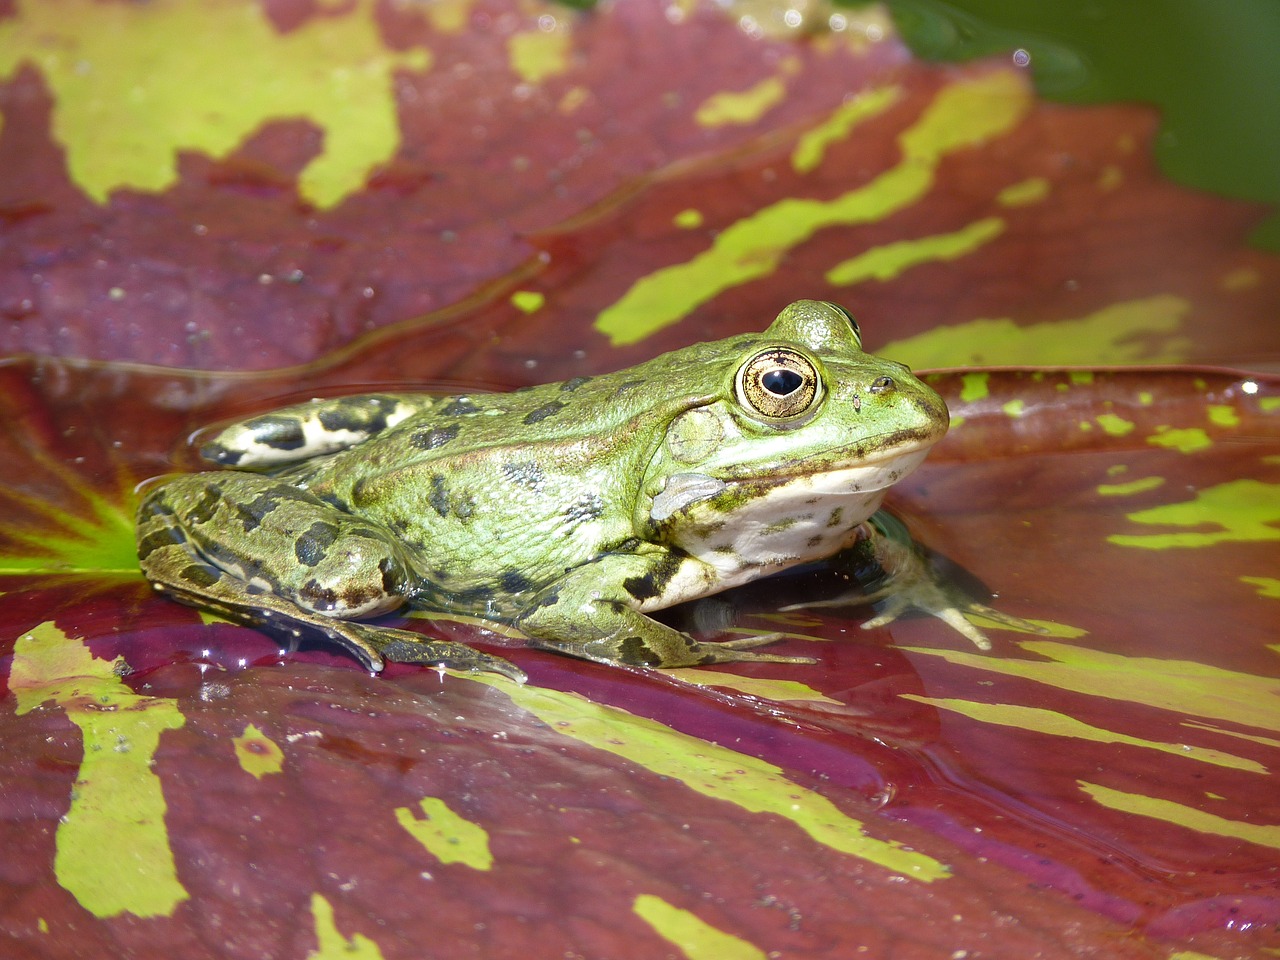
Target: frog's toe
[742,650]
[748,643]
[403,646]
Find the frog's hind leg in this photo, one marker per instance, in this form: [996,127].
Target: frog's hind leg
[308,430]
[263,591]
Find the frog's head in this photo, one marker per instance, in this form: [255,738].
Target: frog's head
[798,421]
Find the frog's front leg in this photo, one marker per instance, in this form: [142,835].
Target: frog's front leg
[900,575]
[259,550]
[593,612]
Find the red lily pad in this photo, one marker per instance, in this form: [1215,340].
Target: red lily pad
[364,164]
[565,197]
[1105,788]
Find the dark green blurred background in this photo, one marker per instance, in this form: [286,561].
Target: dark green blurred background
[1212,67]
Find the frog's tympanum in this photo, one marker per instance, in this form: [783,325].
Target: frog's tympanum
[569,511]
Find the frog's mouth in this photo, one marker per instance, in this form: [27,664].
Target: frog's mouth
[861,479]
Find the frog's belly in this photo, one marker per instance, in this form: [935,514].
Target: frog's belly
[802,520]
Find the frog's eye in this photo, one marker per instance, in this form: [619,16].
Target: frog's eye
[778,383]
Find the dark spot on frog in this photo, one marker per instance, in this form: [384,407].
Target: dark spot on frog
[324,599]
[627,385]
[394,581]
[205,506]
[251,514]
[471,598]
[222,455]
[334,501]
[570,385]
[781,526]
[548,598]
[201,575]
[642,588]
[254,569]
[634,650]
[513,581]
[464,506]
[314,542]
[166,537]
[366,415]
[589,506]
[652,582]
[438,497]
[836,515]
[459,406]
[280,433]
[432,438]
[814,542]
[543,412]
[525,473]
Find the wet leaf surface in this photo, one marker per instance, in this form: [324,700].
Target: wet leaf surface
[559,199]
[1104,790]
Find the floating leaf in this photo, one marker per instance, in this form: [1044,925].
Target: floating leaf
[551,183]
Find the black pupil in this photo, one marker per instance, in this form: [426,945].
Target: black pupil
[781,382]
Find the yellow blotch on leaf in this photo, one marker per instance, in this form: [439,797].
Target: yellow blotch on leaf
[1141,485]
[1110,178]
[692,936]
[1178,814]
[450,838]
[573,98]
[1114,425]
[1024,193]
[536,55]
[963,115]
[688,219]
[741,107]
[788,691]
[975,386]
[134,84]
[1184,440]
[1245,278]
[528,301]
[1267,586]
[113,852]
[1054,724]
[331,944]
[1223,415]
[812,147]
[1181,686]
[258,754]
[1241,510]
[448,16]
[1112,335]
[893,259]
[714,771]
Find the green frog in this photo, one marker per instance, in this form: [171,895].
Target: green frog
[569,511]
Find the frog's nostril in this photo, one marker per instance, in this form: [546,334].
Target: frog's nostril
[881,384]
